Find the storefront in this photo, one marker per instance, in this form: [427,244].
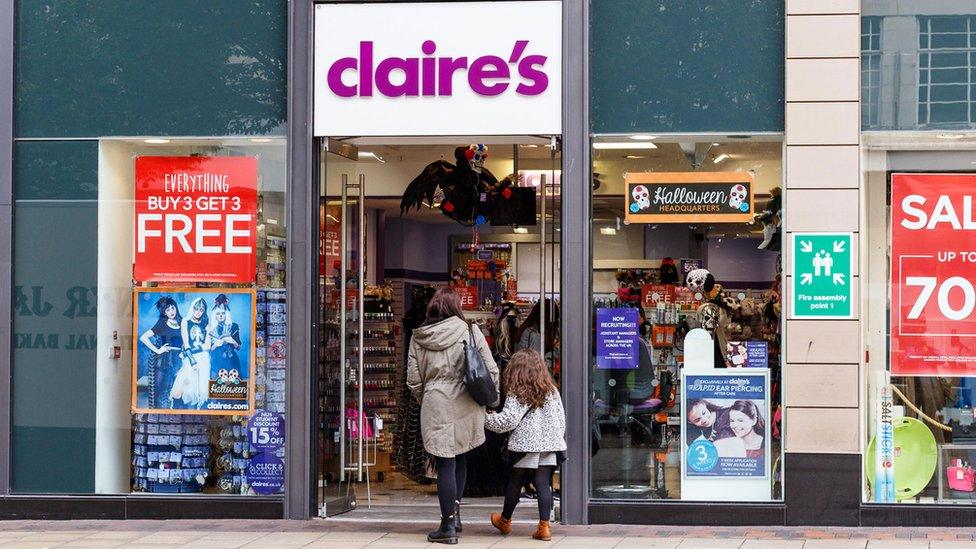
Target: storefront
[217,263]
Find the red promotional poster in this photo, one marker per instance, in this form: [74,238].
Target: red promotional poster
[330,251]
[933,266]
[469,297]
[195,218]
[652,294]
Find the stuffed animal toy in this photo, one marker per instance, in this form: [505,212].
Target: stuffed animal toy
[772,221]
[669,272]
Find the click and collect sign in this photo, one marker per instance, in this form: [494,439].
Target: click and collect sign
[822,268]
[933,266]
[438,68]
[195,218]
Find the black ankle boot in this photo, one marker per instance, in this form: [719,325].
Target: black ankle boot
[447,533]
[457,516]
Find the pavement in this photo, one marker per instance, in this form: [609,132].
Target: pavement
[357,534]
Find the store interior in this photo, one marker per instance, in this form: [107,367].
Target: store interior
[502,256]
[636,412]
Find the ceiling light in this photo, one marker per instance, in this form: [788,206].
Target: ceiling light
[643,137]
[716,144]
[156,141]
[608,231]
[371,154]
[635,156]
[624,146]
[261,140]
[520,230]
[950,136]
[721,158]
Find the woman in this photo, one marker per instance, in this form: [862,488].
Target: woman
[451,422]
[707,421]
[192,381]
[225,339]
[165,342]
[747,425]
[534,413]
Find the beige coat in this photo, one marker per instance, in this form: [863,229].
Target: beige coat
[451,422]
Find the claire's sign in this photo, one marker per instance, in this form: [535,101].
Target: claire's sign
[438,68]
[681,197]
[195,218]
[933,266]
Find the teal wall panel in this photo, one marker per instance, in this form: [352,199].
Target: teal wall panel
[54,323]
[89,68]
[681,66]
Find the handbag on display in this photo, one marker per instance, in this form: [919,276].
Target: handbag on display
[477,379]
[961,476]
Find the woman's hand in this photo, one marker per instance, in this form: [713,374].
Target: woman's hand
[217,343]
[165,349]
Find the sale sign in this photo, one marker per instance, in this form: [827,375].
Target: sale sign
[469,297]
[652,294]
[195,218]
[933,266]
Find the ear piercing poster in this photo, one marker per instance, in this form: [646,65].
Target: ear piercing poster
[194,351]
[726,428]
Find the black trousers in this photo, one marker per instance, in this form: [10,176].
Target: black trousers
[541,478]
[451,476]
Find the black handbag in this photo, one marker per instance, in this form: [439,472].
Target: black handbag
[476,376]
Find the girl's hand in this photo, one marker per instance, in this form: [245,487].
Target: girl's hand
[218,343]
[165,349]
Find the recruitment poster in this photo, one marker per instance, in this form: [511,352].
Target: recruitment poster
[617,338]
[933,266]
[193,351]
[195,218]
[726,429]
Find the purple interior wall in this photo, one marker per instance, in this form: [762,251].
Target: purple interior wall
[738,260]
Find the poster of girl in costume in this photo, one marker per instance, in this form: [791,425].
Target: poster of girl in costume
[193,351]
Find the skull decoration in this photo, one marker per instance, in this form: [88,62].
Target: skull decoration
[477,154]
[748,307]
[697,280]
[732,304]
[708,316]
[641,196]
[737,195]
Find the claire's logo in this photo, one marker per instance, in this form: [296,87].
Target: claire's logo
[432,75]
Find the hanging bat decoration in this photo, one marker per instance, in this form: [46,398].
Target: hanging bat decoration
[465,192]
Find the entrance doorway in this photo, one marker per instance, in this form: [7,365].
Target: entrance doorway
[397,221]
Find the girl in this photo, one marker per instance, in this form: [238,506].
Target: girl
[192,381]
[166,343]
[225,339]
[534,413]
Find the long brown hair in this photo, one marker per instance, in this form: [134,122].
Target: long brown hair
[527,378]
[445,304]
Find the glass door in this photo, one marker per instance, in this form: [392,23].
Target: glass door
[344,448]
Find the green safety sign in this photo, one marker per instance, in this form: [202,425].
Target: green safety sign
[822,267]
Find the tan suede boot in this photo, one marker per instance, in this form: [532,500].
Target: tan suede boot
[503,524]
[542,532]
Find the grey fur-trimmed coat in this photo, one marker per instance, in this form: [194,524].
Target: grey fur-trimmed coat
[540,429]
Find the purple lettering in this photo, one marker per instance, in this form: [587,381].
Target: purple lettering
[336,84]
[527,70]
[366,69]
[410,77]
[446,66]
[428,69]
[486,69]
[430,76]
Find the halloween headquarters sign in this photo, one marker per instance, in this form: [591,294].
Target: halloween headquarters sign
[681,197]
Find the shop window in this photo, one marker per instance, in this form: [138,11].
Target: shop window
[686,364]
[150,315]
[920,443]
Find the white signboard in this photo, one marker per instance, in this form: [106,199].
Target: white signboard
[438,68]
